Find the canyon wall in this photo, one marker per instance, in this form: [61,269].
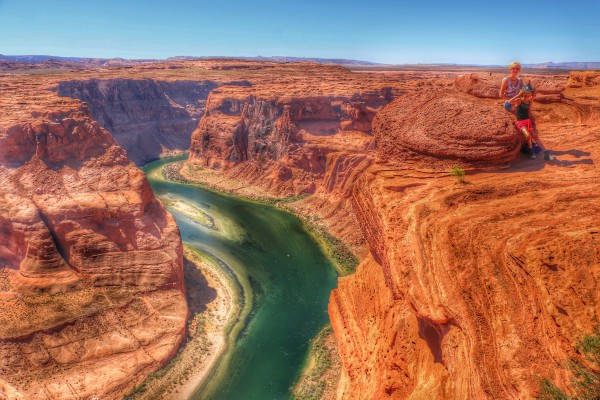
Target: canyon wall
[471,290]
[465,290]
[91,280]
[146,117]
[291,137]
[307,132]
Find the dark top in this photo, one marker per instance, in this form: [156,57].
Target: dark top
[522,111]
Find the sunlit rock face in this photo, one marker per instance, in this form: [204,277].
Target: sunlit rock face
[91,281]
[472,290]
[464,290]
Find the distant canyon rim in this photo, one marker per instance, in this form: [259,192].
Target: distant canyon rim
[470,290]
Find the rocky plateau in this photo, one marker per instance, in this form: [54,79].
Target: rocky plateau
[467,290]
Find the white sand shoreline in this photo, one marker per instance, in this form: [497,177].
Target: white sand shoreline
[216,330]
[211,290]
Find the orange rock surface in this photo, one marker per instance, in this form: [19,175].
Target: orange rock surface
[91,280]
[475,290]
[464,290]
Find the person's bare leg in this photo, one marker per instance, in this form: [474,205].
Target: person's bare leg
[529,143]
[536,137]
[527,137]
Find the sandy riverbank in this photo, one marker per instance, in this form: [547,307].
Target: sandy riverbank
[320,377]
[213,304]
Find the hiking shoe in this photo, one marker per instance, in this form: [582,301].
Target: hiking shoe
[532,154]
[548,156]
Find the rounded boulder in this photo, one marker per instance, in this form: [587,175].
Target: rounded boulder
[448,126]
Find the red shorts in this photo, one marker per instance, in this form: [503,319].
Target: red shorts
[526,123]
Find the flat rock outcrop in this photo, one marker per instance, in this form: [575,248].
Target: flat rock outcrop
[91,280]
[581,79]
[448,126]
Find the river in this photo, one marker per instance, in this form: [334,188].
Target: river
[283,276]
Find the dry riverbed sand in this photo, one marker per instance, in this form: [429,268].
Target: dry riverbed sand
[213,304]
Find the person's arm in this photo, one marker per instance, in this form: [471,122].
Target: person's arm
[516,99]
[503,88]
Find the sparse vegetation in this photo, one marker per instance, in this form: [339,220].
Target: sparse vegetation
[458,173]
[344,259]
[585,381]
[315,380]
[136,389]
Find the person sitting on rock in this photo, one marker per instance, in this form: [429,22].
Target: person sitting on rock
[511,85]
[523,102]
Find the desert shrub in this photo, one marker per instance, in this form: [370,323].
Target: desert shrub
[585,381]
[458,173]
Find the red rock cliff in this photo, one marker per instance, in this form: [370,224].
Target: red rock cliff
[292,136]
[145,116]
[466,291]
[471,291]
[91,281]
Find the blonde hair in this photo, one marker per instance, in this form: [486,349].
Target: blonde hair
[514,64]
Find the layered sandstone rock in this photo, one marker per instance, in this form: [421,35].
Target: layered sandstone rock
[446,125]
[91,281]
[465,291]
[473,291]
[581,79]
[241,126]
[304,130]
[146,117]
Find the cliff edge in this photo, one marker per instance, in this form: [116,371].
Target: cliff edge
[91,280]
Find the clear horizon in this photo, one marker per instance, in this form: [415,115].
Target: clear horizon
[427,32]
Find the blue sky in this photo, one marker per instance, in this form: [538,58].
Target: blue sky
[419,31]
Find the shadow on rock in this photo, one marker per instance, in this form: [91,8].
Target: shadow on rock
[573,153]
[198,291]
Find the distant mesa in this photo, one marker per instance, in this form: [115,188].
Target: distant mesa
[118,60]
[280,59]
[96,61]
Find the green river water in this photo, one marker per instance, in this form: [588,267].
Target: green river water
[283,277]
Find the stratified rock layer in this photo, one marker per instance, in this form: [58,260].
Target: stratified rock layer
[146,117]
[91,280]
[291,136]
[466,291]
[446,125]
[474,291]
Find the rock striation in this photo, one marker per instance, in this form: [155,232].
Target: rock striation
[473,291]
[446,126]
[464,291]
[91,280]
[146,117]
[293,134]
